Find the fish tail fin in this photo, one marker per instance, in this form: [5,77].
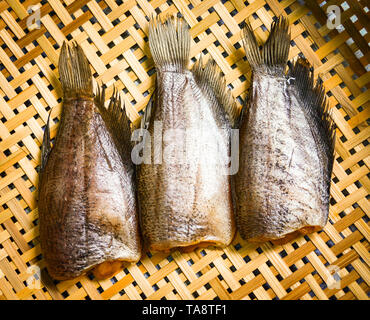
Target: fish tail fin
[273,56]
[169,43]
[316,109]
[116,120]
[211,82]
[74,71]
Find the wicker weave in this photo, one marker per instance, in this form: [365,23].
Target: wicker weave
[113,35]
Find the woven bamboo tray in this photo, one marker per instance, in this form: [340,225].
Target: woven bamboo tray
[331,264]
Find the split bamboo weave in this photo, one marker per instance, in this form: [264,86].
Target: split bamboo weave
[330,264]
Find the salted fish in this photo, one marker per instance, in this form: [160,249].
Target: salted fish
[87,201]
[286,145]
[185,198]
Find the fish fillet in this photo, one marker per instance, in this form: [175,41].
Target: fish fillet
[87,201]
[286,145]
[184,192]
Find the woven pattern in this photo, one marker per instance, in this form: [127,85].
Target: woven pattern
[331,264]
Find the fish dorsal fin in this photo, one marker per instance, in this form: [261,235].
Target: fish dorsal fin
[169,43]
[74,71]
[274,54]
[244,110]
[46,145]
[116,120]
[316,110]
[145,119]
[213,84]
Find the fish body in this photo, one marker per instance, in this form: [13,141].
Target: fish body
[185,200]
[87,204]
[286,146]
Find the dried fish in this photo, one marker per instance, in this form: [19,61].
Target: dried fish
[286,145]
[87,201]
[184,193]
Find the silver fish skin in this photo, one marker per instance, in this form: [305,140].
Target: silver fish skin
[87,201]
[186,200]
[286,146]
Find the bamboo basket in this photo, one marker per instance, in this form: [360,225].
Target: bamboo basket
[330,264]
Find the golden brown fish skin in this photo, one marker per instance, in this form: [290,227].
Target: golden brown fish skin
[184,204]
[87,205]
[283,181]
